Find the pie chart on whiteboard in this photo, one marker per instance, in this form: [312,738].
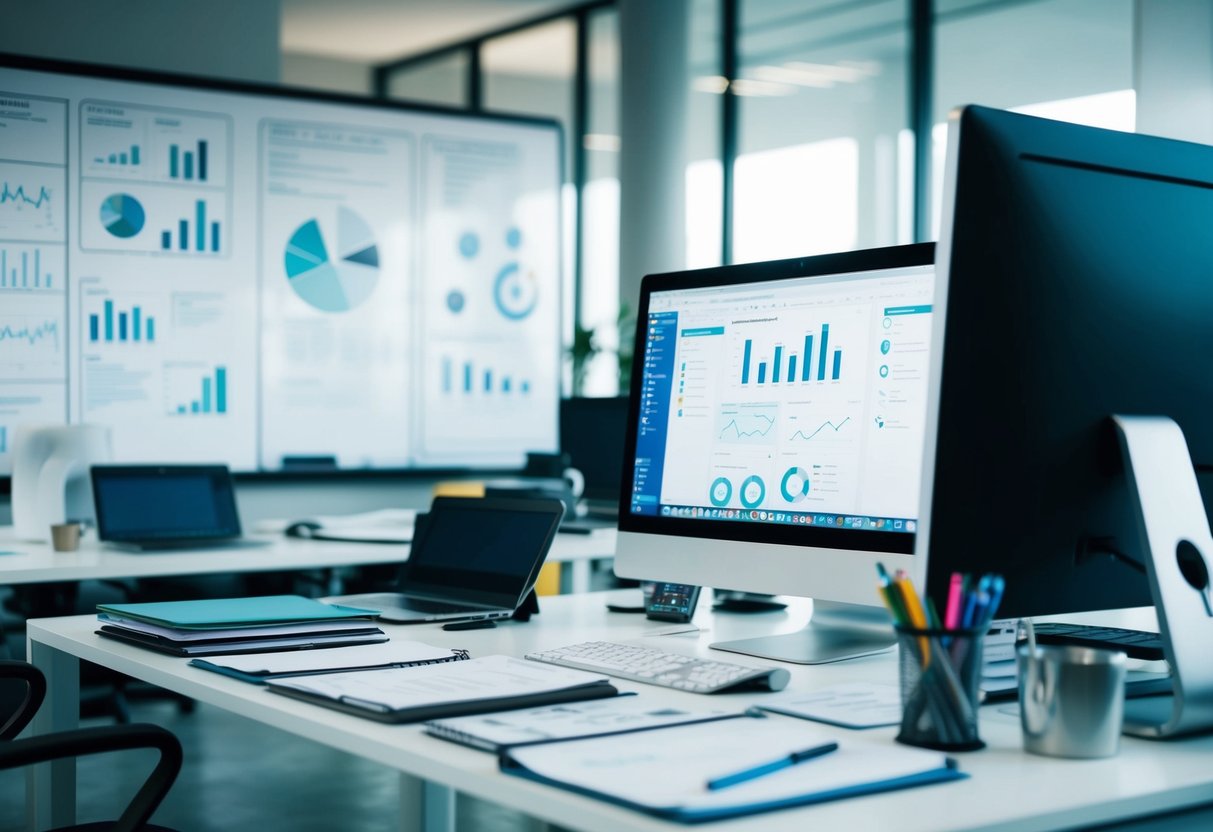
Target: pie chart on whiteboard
[333,266]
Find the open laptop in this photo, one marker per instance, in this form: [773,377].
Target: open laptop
[472,559]
[147,508]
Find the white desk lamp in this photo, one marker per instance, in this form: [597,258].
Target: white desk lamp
[51,475]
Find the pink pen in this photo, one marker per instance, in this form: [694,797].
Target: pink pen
[951,616]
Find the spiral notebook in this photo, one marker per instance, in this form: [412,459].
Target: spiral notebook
[259,668]
[476,686]
[626,713]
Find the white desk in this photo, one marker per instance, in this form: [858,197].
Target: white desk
[39,563]
[1008,789]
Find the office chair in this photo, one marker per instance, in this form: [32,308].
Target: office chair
[40,749]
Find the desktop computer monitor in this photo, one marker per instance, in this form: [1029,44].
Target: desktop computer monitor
[775,434]
[591,433]
[1075,274]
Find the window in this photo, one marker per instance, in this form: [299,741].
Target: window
[438,80]
[704,178]
[599,309]
[822,89]
[1070,60]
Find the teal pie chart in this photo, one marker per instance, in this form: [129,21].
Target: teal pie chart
[721,492]
[795,485]
[122,215]
[753,492]
[333,272]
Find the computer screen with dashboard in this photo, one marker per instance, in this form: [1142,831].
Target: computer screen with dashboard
[1076,276]
[258,275]
[776,424]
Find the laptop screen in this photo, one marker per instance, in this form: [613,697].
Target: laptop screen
[481,548]
[164,502]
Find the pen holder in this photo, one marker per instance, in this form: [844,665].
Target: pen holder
[940,671]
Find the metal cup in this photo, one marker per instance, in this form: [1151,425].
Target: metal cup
[1071,700]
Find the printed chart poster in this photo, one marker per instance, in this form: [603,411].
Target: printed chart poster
[168,366]
[336,224]
[33,265]
[154,180]
[490,295]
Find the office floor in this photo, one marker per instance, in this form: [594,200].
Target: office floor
[221,789]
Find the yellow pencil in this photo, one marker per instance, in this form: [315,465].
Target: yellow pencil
[913,608]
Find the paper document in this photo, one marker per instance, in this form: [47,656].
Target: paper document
[666,771]
[575,719]
[396,653]
[400,689]
[850,705]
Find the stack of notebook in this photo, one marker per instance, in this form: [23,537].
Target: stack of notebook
[238,625]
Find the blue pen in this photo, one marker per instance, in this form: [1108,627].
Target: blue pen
[746,774]
[980,610]
[883,574]
[998,585]
[970,616]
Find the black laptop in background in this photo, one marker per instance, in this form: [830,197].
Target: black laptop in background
[471,559]
[147,508]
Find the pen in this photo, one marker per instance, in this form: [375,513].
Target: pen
[970,611]
[998,585]
[914,612]
[890,596]
[955,593]
[764,769]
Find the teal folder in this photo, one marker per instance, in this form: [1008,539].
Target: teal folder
[224,613]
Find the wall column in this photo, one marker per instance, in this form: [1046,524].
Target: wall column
[652,164]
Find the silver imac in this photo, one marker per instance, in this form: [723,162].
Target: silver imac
[775,437]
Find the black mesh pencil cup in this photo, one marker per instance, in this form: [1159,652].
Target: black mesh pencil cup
[940,671]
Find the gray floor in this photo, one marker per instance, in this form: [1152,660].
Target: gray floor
[239,775]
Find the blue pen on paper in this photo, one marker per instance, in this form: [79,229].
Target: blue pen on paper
[753,773]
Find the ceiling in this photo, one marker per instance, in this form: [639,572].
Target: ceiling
[374,31]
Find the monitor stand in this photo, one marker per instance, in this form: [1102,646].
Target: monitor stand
[1179,551]
[835,632]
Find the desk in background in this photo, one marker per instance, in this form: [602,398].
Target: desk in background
[37,563]
[1007,789]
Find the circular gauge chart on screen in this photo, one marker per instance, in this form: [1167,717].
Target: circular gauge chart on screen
[122,215]
[333,270]
[515,293]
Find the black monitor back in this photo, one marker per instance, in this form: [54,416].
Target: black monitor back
[592,434]
[1078,270]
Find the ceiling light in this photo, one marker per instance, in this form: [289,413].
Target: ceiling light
[601,141]
[710,83]
[756,88]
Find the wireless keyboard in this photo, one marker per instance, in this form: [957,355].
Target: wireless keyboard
[659,667]
[1138,644]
